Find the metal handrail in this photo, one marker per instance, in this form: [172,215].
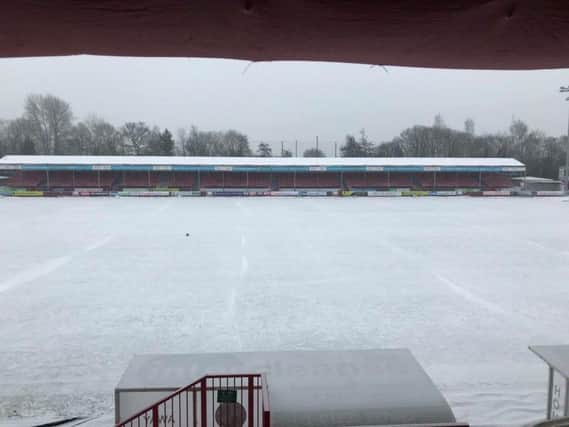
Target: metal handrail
[200,385]
[266,401]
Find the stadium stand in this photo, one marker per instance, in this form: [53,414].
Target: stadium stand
[192,173]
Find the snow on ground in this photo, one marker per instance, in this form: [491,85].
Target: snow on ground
[466,283]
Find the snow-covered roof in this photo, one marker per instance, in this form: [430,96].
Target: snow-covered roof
[261,161]
[537,179]
[309,388]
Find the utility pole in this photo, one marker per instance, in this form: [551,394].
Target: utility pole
[316,142]
[565,89]
[296,148]
[335,149]
[282,148]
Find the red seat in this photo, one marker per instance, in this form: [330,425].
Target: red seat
[235,180]
[426,180]
[355,180]
[496,181]
[306,180]
[377,180]
[468,181]
[135,179]
[328,180]
[61,179]
[285,180]
[183,179]
[28,179]
[400,179]
[259,180]
[86,179]
[107,178]
[211,180]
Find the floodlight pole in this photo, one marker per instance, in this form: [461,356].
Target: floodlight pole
[567,158]
[565,89]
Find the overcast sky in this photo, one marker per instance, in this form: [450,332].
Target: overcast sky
[286,101]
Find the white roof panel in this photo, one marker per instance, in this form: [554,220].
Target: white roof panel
[556,356]
[312,388]
[260,161]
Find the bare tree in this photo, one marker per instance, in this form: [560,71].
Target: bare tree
[136,136]
[18,136]
[95,136]
[214,143]
[50,119]
[106,139]
[83,140]
[3,138]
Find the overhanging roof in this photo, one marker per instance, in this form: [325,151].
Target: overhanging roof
[260,163]
[311,388]
[484,34]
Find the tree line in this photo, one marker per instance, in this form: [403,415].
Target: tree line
[48,126]
[543,155]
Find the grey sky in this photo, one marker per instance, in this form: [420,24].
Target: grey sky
[277,101]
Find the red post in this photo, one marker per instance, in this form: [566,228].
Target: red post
[194,408]
[266,419]
[155,419]
[203,402]
[250,401]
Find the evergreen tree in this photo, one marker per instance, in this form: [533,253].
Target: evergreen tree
[264,150]
[166,143]
[28,147]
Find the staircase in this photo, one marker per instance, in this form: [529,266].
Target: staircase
[213,400]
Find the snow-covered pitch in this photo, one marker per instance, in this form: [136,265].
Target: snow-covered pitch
[465,283]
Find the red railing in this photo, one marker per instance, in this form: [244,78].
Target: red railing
[213,400]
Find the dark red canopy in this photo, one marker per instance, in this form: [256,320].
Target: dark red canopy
[495,34]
